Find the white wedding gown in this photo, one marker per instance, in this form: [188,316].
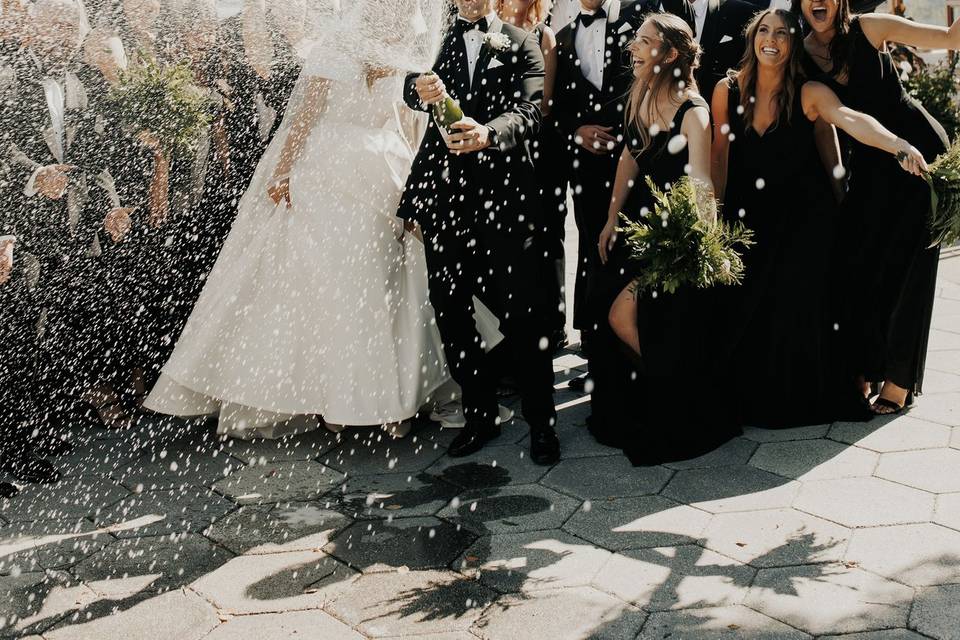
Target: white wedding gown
[317,310]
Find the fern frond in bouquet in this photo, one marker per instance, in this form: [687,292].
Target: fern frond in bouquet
[682,243]
[163,100]
[944,181]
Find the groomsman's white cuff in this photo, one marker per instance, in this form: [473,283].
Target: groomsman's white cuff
[31,189]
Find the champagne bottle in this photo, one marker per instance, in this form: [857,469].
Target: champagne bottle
[447,111]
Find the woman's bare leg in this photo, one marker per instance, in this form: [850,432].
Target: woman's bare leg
[623,318]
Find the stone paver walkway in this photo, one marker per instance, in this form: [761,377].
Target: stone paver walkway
[166,533]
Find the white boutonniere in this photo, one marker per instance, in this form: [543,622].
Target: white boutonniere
[497,42]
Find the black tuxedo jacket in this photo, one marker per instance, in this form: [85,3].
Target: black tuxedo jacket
[576,101]
[496,186]
[722,40]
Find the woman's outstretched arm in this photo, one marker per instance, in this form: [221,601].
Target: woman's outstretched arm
[881,28]
[819,101]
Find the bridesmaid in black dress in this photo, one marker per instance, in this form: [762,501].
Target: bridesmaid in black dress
[652,413]
[887,274]
[768,173]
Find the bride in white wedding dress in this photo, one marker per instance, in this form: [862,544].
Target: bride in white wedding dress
[317,307]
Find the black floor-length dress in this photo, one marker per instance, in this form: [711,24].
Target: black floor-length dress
[886,275]
[776,320]
[667,410]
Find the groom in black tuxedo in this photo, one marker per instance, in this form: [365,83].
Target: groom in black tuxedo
[474,194]
[718,26]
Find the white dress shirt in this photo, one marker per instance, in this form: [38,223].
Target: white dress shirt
[781,4]
[591,44]
[700,11]
[473,40]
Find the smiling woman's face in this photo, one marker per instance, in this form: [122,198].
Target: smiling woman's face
[821,15]
[772,42]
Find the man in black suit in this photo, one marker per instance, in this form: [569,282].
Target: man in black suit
[593,77]
[718,26]
[474,195]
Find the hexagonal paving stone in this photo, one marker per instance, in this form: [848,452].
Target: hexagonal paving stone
[776,538]
[376,452]
[613,478]
[915,554]
[955,438]
[304,446]
[511,509]
[885,435]
[489,467]
[717,623]
[734,452]
[275,582]
[511,562]
[411,603]
[92,457]
[576,441]
[740,488]
[297,526]
[935,382]
[48,544]
[864,502]
[947,511]
[934,470]
[675,578]
[936,612]
[29,602]
[579,612]
[942,408]
[149,620]
[188,509]
[290,625]
[393,494]
[814,460]
[175,469]
[150,564]
[812,432]
[415,543]
[887,634]
[70,499]
[825,598]
[631,523]
[279,482]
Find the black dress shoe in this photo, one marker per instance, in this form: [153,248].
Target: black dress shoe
[471,440]
[28,468]
[578,384]
[544,446]
[7,491]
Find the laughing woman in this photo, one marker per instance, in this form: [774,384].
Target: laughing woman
[768,173]
[651,415]
[887,272]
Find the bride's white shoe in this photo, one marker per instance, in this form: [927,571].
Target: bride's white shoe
[398,429]
[334,428]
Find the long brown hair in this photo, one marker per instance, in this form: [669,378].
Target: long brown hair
[842,42]
[746,76]
[673,76]
[536,13]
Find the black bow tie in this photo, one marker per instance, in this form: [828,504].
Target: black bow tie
[462,26]
[587,19]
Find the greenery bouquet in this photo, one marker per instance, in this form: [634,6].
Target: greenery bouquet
[944,181]
[163,100]
[682,243]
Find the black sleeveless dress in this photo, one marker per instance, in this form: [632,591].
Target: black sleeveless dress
[777,186]
[886,275]
[650,412]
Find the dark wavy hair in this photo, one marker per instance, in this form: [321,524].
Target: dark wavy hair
[746,75]
[673,76]
[842,42]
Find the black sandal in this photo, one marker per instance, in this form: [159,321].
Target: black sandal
[894,408]
[7,491]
